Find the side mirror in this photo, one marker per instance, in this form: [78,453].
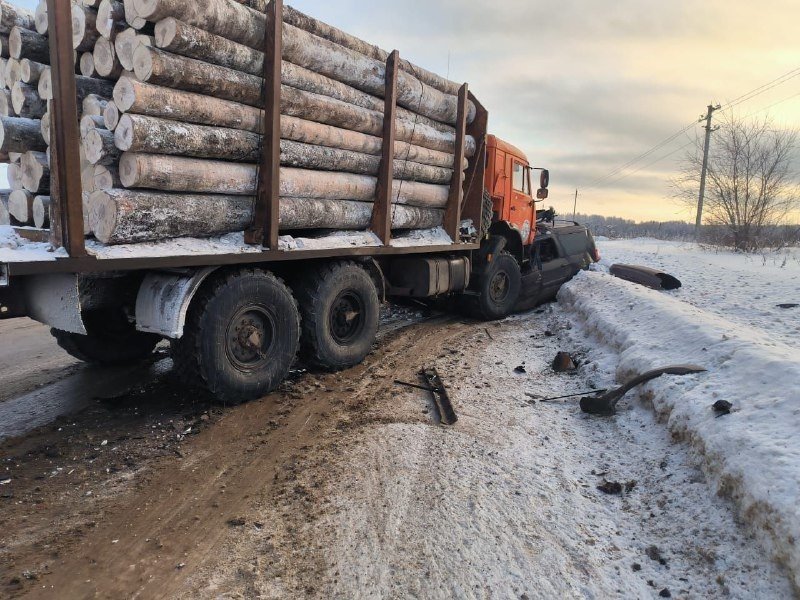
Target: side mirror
[544,181]
[543,194]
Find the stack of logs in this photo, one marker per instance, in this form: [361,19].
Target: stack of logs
[172,120]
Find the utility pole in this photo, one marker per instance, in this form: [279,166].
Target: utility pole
[703,174]
[575,208]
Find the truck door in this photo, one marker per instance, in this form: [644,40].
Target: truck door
[522,206]
[555,267]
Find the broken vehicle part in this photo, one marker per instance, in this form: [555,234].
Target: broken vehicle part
[656,280]
[441,400]
[607,403]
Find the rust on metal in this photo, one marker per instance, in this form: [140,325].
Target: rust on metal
[382,209]
[476,171]
[265,228]
[452,215]
[66,191]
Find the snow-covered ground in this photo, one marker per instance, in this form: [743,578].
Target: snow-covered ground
[745,289]
[726,319]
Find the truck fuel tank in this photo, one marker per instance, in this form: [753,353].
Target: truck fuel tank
[428,277]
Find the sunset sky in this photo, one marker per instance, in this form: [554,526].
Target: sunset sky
[584,87]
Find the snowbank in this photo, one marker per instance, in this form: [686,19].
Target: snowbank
[753,455]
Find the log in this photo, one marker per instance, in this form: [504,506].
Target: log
[84,86]
[142,98]
[20,206]
[180,174]
[12,72]
[36,172]
[41,21]
[87,179]
[227,19]
[14,16]
[24,43]
[111,116]
[89,123]
[179,38]
[14,174]
[302,21]
[84,28]
[158,67]
[110,18]
[106,177]
[302,48]
[126,43]
[44,127]
[87,65]
[5,216]
[105,60]
[20,135]
[26,101]
[41,212]
[6,107]
[100,148]
[132,17]
[94,105]
[4,51]
[132,216]
[30,71]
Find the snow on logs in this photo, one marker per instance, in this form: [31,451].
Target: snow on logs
[171,110]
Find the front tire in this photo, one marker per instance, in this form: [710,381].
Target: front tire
[241,336]
[498,289]
[340,313]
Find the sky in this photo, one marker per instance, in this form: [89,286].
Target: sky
[583,86]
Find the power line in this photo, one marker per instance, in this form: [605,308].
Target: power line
[789,75]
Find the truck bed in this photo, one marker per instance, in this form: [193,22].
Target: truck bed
[31,257]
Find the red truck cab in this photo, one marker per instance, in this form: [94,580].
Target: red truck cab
[509,183]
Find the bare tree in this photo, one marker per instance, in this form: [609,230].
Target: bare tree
[751,179]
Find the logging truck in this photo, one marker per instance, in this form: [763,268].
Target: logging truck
[254,192]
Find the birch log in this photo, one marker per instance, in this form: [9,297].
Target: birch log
[106,177]
[178,174]
[94,105]
[20,206]
[26,101]
[41,212]
[110,18]
[30,71]
[24,43]
[111,116]
[20,135]
[35,172]
[132,16]
[84,27]
[105,60]
[41,21]
[126,43]
[179,38]
[84,86]
[90,123]
[100,147]
[6,106]
[131,216]
[13,16]
[137,97]
[87,65]
[5,216]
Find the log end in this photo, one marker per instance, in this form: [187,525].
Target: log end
[111,116]
[102,215]
[145,8]
[41,22]
[143,63]
[165,32]
[15,43]
[128,169]
[123,134]
[124,94]
[41,211]
[87,64]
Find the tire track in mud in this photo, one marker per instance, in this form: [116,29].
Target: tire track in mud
[156,540]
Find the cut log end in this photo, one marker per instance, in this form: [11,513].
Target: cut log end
[143,63]
[124,94]
[123,134]
[111,116]
[41,212]
[165,32]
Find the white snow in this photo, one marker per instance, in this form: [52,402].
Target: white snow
[749,348]
[333,241]
[422,237]
[15,249]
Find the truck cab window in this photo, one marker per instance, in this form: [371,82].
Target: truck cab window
[519,177]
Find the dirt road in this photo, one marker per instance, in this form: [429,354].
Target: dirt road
[343,486]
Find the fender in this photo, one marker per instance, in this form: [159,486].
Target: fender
[164,299]
[513,237]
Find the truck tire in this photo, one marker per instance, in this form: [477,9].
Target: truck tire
[111,340]
[241,336]
[487,213]
[498,289]
[340,315]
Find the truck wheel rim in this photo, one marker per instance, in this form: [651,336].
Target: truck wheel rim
[346,318]
[499,287]
[249,338]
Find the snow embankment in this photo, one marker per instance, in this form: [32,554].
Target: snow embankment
[753,454]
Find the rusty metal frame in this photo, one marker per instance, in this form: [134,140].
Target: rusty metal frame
[266,220]
[382,209]
[452,214]
[66,191]
[476,171]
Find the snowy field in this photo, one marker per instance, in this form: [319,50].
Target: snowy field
[726,318]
